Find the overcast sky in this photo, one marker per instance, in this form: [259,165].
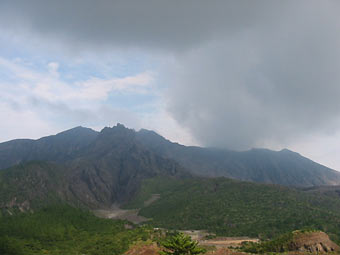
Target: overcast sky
[233,74]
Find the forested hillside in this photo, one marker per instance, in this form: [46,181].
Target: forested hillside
[61,230]
[234,208]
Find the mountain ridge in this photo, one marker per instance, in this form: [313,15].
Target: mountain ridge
[58,148]
[103,173]
[283,167]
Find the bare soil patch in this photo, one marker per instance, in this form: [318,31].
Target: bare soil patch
[122,214]
[152,199]
[218,242]
[225,242]
[117,213]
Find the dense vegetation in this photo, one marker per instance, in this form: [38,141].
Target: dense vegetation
[61,230]
[233,208]
[278,244]
[30,185]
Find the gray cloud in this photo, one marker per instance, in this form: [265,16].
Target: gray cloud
[245,73]
[160,24]
[264,86]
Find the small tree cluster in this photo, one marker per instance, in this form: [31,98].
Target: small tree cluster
[180,244]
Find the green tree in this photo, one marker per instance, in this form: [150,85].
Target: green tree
[180,244]
[10,246]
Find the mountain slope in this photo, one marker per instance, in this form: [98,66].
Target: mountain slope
[259,165]
[58,148]
[115,164]
[233,208]
[30,185]
[108,170]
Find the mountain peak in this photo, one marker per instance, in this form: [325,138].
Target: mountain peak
[152,135]
[114,137]
[119,129]
[78,130]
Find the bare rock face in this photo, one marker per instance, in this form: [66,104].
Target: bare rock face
[313,242]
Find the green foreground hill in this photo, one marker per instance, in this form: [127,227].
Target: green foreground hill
[232,208]
[219,205]
[222,206]
[61,230]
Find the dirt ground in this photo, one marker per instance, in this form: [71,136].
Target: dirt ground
[131,215]
[219,242]
[116,213]
[226,242]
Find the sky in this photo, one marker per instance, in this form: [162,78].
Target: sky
[235,74]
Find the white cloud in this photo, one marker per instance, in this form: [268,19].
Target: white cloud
[50,87]
[323,149]
[53,69]
[35,100]
[96,88]
[22,123]
[165,125]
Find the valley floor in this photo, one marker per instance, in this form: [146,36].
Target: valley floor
[117,213]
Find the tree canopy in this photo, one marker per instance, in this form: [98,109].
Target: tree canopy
[180,244]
